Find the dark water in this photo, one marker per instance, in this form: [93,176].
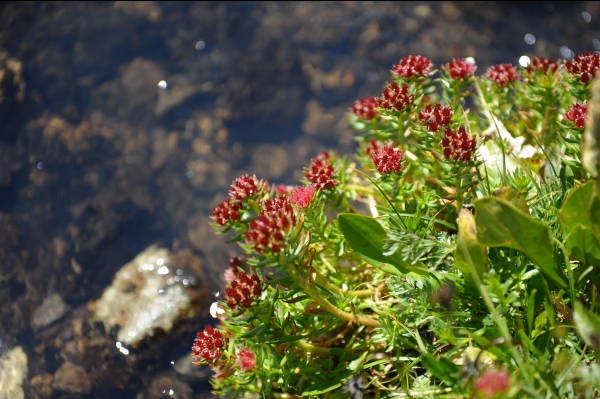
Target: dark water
[99,159]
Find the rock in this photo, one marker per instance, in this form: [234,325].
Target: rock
[184,366]
[13,371]
[73,379]
[41,385]
[166,387]
[52,309]
[69,353]
[151,292]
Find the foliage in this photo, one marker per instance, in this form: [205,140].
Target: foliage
[455,255]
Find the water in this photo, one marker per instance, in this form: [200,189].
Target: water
[126,122]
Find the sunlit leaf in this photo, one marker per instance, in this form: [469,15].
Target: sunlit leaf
[588,325]
[469,251]
[367,238]
[500,224]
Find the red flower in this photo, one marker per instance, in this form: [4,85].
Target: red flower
[457,145]
[542,64]
[364,108]
[584,66]
[269,230]
[492,384]
[395,97]
[243,291]
[502,74]
[208,345]
[413,65]
[435,117]
[320,172]
[302,196]
[245,359]
[233,271]
[459,68]
[577,114]
[372,147]
[387,160]
[245,186]
[283,189]
[226,212]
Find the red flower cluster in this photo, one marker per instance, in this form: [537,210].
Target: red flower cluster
[459,68]
[577,114]
[387,160]
[233,271]
[492,384]
[413,65]
[208,345]
[245,359]
[436,117]
[245,186]
[364,108]
[269,230]
[283,189]
[373,146]
[502,74]
[457,145]
[542,64]
[395,97]
[320,172]
[226,212]
[302,196]
[584,66]
[243,291]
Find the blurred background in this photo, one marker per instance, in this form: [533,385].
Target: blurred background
[122,124]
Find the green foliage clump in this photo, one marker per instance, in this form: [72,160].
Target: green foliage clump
[455,255]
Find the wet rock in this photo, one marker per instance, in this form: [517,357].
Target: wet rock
[52,309]
[69,353]
[148,310]
[166,387]
[73,379]
[151,292]
[184,366]
[13,371]
[41,386]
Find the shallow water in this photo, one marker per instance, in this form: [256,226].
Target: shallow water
[122,124]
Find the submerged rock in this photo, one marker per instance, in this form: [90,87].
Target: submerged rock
[71,378]
[149,309]
[13,371]
[52,309]
[151,292]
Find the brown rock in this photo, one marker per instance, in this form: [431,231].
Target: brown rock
[41,385]
[71,378]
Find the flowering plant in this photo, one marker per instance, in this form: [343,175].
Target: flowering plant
[456,255]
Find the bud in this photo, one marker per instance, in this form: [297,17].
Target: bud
[459,68]
[302,196]
[364,108]
[502,74]
[436,117]
[208,345]
[387,160]
[584,66]
[457,145]
[246,186]
[577,114]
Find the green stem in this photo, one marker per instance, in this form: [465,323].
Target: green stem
[328,306]
[317,350]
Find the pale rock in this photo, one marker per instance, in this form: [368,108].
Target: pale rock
[146,294]
[13,371]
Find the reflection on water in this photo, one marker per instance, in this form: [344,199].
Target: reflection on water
[123,124]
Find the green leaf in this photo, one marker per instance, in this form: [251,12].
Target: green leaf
[577,215]
[575,211]
[443,368]
[582,245]
[500,224]
[367,238]
[513,197]
[469,252]
[588,325]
